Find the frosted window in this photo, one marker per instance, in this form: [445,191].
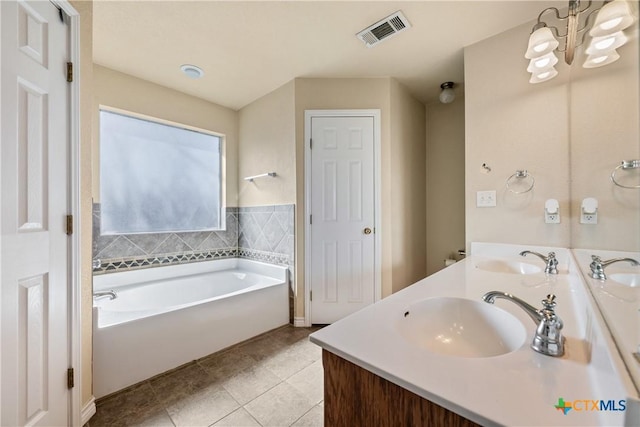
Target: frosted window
[157,178]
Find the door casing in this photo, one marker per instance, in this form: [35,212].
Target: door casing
[308,115]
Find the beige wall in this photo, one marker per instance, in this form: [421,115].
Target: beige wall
[445,182]
[512,125]
[267,144]
[318,94]
[605,130]
[118,90]
[85,9]
[408,187]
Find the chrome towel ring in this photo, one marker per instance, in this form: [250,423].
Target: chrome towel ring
[625,165]
[519,177]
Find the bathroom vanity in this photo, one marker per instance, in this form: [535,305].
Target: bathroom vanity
[436,354]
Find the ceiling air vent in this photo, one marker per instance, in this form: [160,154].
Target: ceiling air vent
[383,29]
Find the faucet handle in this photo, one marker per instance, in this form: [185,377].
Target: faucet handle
[549,302]
[548,338]
[552,265]
[548,309]
[596,264]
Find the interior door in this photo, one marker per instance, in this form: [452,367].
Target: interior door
[35,186]
[342,216]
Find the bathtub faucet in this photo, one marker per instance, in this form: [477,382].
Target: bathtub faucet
[101,294]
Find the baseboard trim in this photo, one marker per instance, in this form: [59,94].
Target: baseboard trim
[299,322]
[88,411]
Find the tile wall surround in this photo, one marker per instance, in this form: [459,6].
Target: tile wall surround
[262,233]
[266,233]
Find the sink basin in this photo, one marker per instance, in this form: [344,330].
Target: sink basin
[512,267]
[626,279]
[461,327]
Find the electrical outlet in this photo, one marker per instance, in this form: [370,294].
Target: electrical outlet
[589,218]
[486,199]
[552,218]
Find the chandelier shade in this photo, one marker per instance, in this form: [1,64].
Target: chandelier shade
[606,43]
[594,61]
[542,63]
[543,76]
[612,17]
[541,42]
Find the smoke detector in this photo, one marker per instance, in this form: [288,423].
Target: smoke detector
[383,29]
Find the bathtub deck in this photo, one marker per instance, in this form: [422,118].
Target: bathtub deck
[273,379]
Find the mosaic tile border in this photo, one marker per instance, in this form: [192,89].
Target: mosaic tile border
[269,257]
[136,263]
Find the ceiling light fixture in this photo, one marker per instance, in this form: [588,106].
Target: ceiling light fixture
[606,36]
[192,71]
[447,95]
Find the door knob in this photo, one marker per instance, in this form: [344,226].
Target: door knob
[367,230]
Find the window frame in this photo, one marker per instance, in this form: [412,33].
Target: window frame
[160,121]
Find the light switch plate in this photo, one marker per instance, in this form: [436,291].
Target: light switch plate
[486,199]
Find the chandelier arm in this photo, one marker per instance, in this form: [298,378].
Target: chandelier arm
[587,6]
[582,39]
[557,32]
[557,13]
[587,21]
[568,17]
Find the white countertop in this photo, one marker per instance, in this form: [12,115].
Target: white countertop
[518,388]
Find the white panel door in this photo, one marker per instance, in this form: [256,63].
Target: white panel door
[342,216]
[35,189]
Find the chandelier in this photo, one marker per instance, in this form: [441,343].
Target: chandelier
[606,34]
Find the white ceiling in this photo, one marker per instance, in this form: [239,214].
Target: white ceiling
[248,49]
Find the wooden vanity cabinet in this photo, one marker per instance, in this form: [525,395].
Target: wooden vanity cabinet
[355,397]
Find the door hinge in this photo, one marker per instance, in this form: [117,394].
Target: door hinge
[310,144]
[310,219]
[310,295]
[70,378]
[69,72]
[69,225]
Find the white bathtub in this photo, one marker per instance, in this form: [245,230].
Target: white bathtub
[167,316]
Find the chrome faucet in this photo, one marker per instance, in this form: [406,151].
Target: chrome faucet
[111,294]
[550,261]
[597,265]
[548,338]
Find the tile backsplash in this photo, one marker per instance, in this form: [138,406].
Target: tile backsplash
[263,233]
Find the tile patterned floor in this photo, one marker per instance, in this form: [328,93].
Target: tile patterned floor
[275,379]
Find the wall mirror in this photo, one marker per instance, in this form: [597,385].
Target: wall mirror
[605,132]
